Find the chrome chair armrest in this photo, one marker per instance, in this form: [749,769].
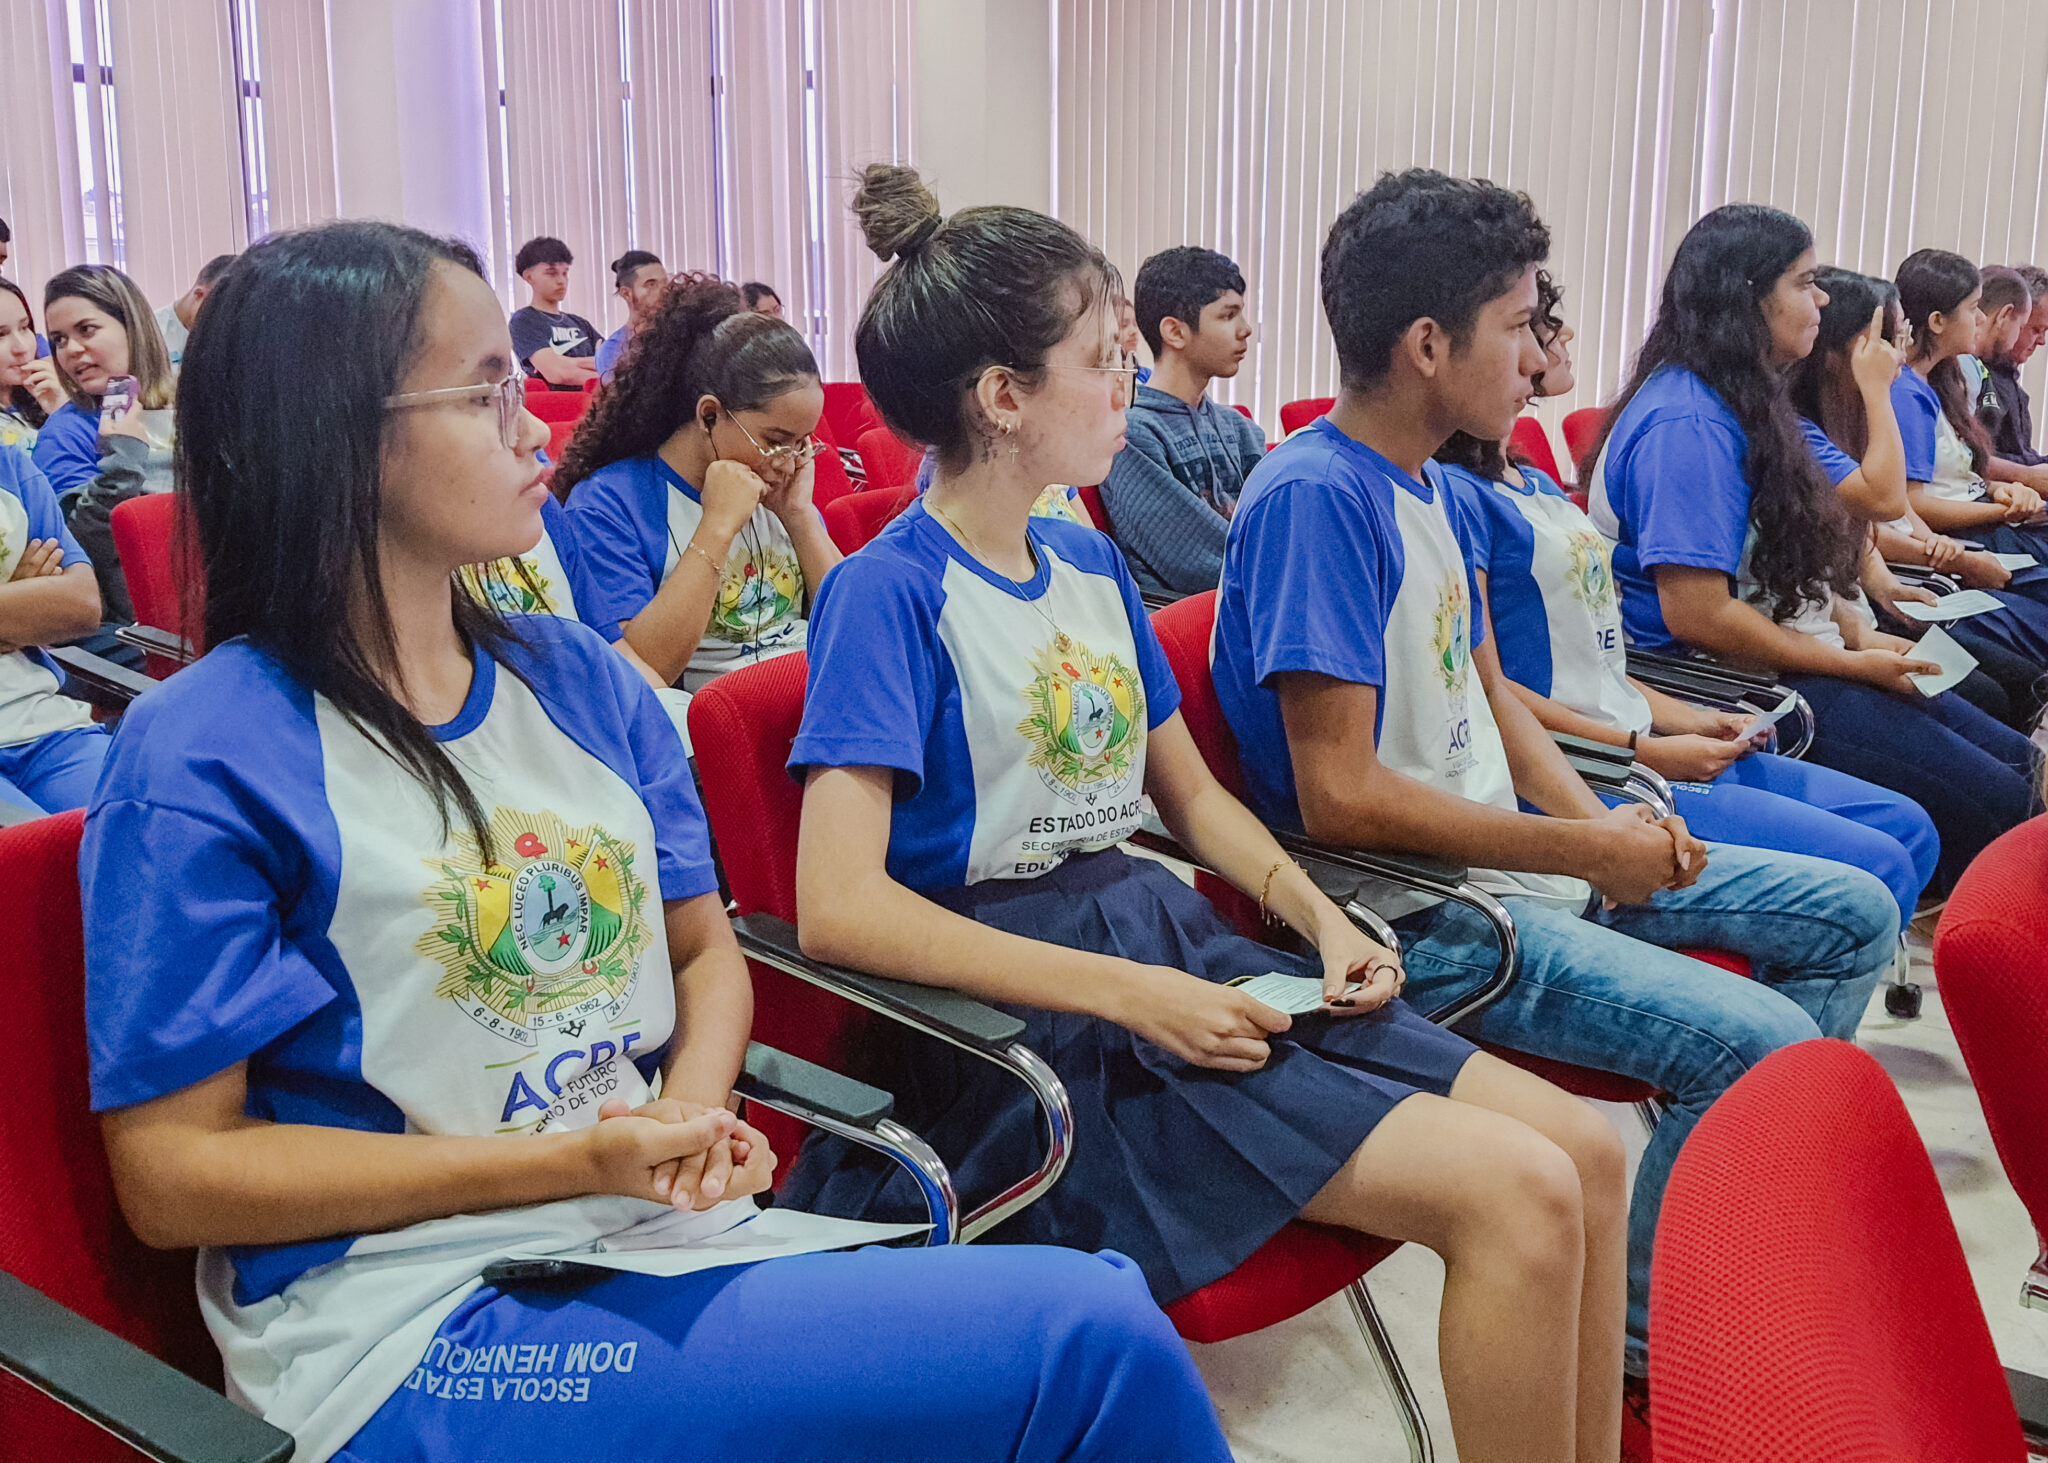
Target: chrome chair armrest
[150,639]
[147,1403]
[1710,684]
[951,1017]
[855,1111]
[1922,577]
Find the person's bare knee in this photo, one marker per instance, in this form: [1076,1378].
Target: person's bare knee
[1530,1217]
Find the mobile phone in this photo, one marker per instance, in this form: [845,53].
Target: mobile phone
[502,1273]
[120,395]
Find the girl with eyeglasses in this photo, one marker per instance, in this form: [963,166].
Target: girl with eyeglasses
[689,488]
[404,954]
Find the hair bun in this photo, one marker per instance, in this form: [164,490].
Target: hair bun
[898,214]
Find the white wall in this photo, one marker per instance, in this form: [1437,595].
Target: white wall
[984,104]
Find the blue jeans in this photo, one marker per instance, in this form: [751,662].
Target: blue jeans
[874,1356]
[1597,991]
[56,773]
[1972,774]
[1772,802]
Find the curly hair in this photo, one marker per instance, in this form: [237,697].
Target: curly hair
[1421,244]
[1710,322]
[1935,282]
[700,341]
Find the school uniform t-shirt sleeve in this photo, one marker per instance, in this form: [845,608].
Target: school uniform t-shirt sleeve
[1470,517]
[1918,409]
[608,516]
[873,687]
[1833,461]
[68,448]
[20,477]
[1297,531]
[1690,495]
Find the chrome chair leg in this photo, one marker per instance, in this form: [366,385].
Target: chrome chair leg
[1381,1345]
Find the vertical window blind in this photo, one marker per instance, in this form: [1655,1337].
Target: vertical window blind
[1885,124]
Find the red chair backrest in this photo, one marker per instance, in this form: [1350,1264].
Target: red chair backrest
[1991,958]
[742,725]
[559,434]
[1091,499]
[1185,628]
[1581,431]
[829,482]
[855,520]
[555,406]
[1808,1297]
[159,558]
[1297,414]
[890,462]
[1533,442]
[60,1229]
[849,411]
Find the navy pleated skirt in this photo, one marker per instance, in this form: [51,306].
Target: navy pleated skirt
[1184,1169]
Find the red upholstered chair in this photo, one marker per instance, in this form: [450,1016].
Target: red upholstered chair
[1295,415]
[849,411]
[555,406]
[742,725]
[160,561]
[1091,499]
[559,433]
[856,518]
[1581,431]
[71,1266]
[1809,1298]
[1991,966]
[890,461]
[1531,440]
[829,482]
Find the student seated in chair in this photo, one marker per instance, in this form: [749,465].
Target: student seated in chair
[1547,599]
[1372,712]
[404,955]
[987,710]
[639,278]
[555,348]
[50,749]
[2012,433]
[1172,488]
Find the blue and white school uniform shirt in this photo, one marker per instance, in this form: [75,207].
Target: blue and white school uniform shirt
[263,885]
[1340,563]
[1672,487]
[1936,454]
[1014,715]
[632,522]
[544,580]
[1550,587]
[31,703]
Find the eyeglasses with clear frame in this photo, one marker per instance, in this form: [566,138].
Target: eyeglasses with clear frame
[1123,377]
[509,395]
[798,452]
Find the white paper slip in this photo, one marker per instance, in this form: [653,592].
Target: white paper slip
[1765,720]
[770,1234]
[1291,995]
[2015,561]
[1950,606]
[1940,647]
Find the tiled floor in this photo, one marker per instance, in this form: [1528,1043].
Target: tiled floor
[1305,1392]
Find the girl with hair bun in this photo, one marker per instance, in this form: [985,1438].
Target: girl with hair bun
[987,713]
[689,488]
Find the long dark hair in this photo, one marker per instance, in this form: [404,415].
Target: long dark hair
[700,341]
[1935,282]
[1710,321]
[20,400]
[279,448]
[1480,455]
[109,290]
[1822,390]
[990,286]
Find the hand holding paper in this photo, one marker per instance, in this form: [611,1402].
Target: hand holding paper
[1950,606]
[1938,646]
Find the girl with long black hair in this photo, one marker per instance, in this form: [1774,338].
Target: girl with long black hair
[1729,538]
[404,954]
